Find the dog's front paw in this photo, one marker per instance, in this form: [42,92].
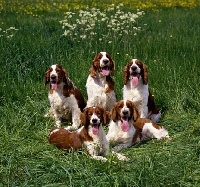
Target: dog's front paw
[121,156]
[58,123]
[103,159]
[69,128]
[46,115]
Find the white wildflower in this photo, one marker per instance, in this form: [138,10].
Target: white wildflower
[92,33]
[140,13]
[83,36]
[10,36]
[66,33]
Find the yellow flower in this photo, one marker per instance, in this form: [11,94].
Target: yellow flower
[159,21]
[126,54]
[154,60]
[170,36]
[117,53]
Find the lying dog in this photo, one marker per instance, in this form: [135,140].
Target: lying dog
[126,128]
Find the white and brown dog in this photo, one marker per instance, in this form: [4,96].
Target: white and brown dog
[136,89]
[126,128]
[100,85]
[91,135]
[65,98]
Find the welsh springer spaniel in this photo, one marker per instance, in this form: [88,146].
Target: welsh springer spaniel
[91,135]
[100,85]
[126,128]
[136,89]
[65,99]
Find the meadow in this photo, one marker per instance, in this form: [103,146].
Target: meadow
[36,34]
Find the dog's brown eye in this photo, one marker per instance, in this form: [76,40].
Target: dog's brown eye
[128,106]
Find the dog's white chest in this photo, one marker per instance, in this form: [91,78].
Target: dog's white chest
[116,134]
[137,94]
[61,103]
[96,93]
[99,145]
[56,99]
[98,85]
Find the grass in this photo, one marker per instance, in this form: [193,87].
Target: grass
[167,42]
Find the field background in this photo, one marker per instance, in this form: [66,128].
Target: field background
[165,36]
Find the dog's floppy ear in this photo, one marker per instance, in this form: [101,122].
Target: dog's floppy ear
[83,117]
[126,74]
[136,113]
[92,72]
[95,65]
[66,78]
[114,115]
[145,75]
[106,117]
[46,77]
[112,65]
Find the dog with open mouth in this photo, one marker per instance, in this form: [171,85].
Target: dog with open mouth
[91,135]
[126,128]
[136,89]
[100,85]
[66,100]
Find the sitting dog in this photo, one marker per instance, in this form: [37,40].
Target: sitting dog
[91,135]
[136,89]
[65,98]
[100,85]
[126,128]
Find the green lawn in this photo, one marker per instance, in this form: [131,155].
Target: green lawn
[165,39]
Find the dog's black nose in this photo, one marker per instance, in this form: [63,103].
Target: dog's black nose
[125,112]
[94,120]
[134,68]
[105,61]
[53,77]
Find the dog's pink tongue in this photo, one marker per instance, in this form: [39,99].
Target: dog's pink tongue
[105,72]
[53,86]
[125,125]
[95,130]
[134,80]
